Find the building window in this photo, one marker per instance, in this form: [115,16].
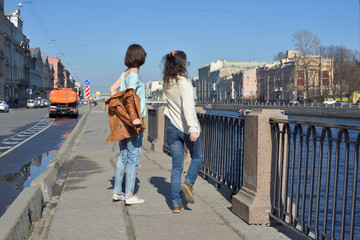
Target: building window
[300,81]
[325,78]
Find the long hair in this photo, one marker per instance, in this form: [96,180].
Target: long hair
[174,66]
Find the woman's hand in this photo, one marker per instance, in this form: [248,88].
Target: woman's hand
[136,122]
[172,53]
[194,136]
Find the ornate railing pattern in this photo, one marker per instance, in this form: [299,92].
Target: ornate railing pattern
[223,144]
[316,176]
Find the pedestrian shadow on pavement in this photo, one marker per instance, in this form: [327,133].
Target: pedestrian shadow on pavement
[164,188]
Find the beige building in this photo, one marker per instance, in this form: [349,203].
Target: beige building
[154,90]
[210,75]
[295,77]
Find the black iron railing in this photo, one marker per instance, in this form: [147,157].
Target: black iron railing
[316,176]
[223,144]
[153,125]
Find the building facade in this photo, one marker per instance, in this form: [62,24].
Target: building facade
[59,78]
[2,53]
[16,60]
[207,88]
[154,90]
[25,72]
[295,77]
[47,77]
[245,85]
[221,84]
[36,73]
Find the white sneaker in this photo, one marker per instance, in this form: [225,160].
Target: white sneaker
[134,200]
[118,197]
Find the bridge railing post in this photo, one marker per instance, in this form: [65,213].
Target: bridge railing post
[253,201]
[157,144]
[146,122]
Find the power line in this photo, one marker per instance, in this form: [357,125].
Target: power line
[36,17]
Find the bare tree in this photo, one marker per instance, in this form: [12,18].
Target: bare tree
[279,56]
[307,44]
[346,71]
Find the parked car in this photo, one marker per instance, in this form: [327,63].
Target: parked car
[45,103]
[329,102]
[341,103]
[4,106]
[31,103]
[293,101]
[39,102]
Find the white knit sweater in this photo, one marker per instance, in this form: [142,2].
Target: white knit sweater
[180,107]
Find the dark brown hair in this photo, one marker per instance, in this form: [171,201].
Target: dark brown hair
[174,66]
[135,56]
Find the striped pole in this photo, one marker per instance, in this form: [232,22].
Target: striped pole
[87,92]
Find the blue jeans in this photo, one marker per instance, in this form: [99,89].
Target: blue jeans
[130,149]
[176,140]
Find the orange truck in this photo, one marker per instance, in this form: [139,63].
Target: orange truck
[63,102]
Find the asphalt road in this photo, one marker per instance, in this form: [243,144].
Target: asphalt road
[28,141]
[17,120]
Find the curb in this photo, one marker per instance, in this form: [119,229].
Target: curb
[16,222]
[47,179]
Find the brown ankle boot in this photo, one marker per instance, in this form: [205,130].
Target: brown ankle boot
[187,190]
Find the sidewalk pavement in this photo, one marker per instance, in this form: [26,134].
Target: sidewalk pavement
[83,207]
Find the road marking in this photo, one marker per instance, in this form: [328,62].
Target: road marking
[30,134]
[17,139]
[10,143]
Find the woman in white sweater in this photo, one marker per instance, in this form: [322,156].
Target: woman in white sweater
[183,127]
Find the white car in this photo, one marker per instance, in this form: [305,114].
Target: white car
[4,106]
[31,104]
[329,102]
[45,102]
[293,101]
[39,102]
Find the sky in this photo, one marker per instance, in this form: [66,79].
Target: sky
[91,36]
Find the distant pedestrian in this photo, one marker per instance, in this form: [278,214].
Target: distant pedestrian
[130,147]
[183,127]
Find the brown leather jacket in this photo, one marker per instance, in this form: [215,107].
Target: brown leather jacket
[123,108]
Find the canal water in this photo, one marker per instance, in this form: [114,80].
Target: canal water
[340,194]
